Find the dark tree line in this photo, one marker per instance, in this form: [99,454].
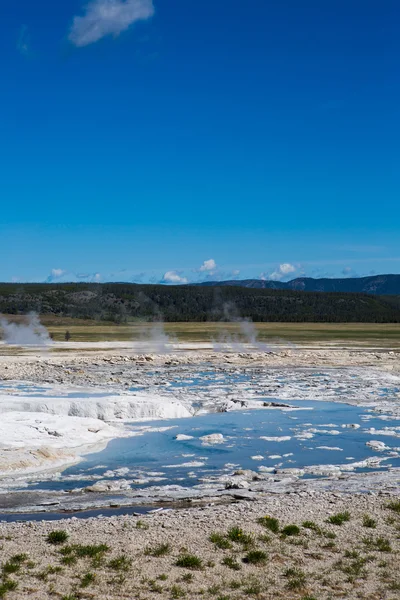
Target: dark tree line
[122,302]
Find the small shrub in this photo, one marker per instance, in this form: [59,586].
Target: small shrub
[220,541]
[255,557]
[189,561]
[380,543]
[214,590]
[69,560]
[121,563]
[253,588]
[141,525]
[90,551]
[369,522]
[7,585]
[57,537]
[330,535]
[235,585]
[187,577]
[351,554]
[290,530]
[269,523]
[155,587]
[296,579]
[157,551]
[236,534]
[313,526]
[339,518]
[9,568]
[88,579]
[395,505]
[19,558]
[231,562]
[164,576]
[177,592]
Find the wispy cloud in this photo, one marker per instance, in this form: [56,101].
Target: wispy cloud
[24,41]
[173,277]
[108,17]
[62,276]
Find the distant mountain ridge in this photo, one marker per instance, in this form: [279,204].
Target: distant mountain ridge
[374,284]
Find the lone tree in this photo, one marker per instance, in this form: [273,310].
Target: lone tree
[67,336]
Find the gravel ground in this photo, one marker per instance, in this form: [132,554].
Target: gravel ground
[140,556]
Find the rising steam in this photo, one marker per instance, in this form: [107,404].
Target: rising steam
[154,338]
[31,333]
[247,338]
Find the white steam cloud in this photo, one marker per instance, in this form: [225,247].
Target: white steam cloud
[31,333]
[247,338]
[108,17]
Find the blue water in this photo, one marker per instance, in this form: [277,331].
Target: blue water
[157,451]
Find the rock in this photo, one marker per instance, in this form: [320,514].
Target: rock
[378,446]
[237,485]
[213,438]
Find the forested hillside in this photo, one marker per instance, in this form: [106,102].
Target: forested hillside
[374,284]
[124,302]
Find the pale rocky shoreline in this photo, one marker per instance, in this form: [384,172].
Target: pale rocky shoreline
[358,559]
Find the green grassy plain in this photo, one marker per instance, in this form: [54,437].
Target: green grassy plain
[374,334]
[303,333]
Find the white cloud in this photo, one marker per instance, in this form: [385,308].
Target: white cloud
[236,272]
[208,265]
[108,17]
[57,272]
[173,277]
[286,268]
[282,271]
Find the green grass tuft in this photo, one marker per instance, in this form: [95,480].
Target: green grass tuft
[157,551]
[269,523]
[57,537]
[189,561]
[339,518]
[290,530]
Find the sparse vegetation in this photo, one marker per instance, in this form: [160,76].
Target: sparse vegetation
[189,561]
[394,505]
[120,563]
[369,522]
[57,537]
[255,557]
[220,541]
[177,592]
[339,518]
[231,562]
[269,523]
[290,530]
[380,543]
[296,578]
[7,585]
[236,534]
[159,550]
[88,579]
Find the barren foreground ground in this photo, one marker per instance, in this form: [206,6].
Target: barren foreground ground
[320,546]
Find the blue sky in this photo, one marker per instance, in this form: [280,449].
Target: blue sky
[177,141]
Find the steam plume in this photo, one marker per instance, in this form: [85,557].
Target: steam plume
[31,333]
